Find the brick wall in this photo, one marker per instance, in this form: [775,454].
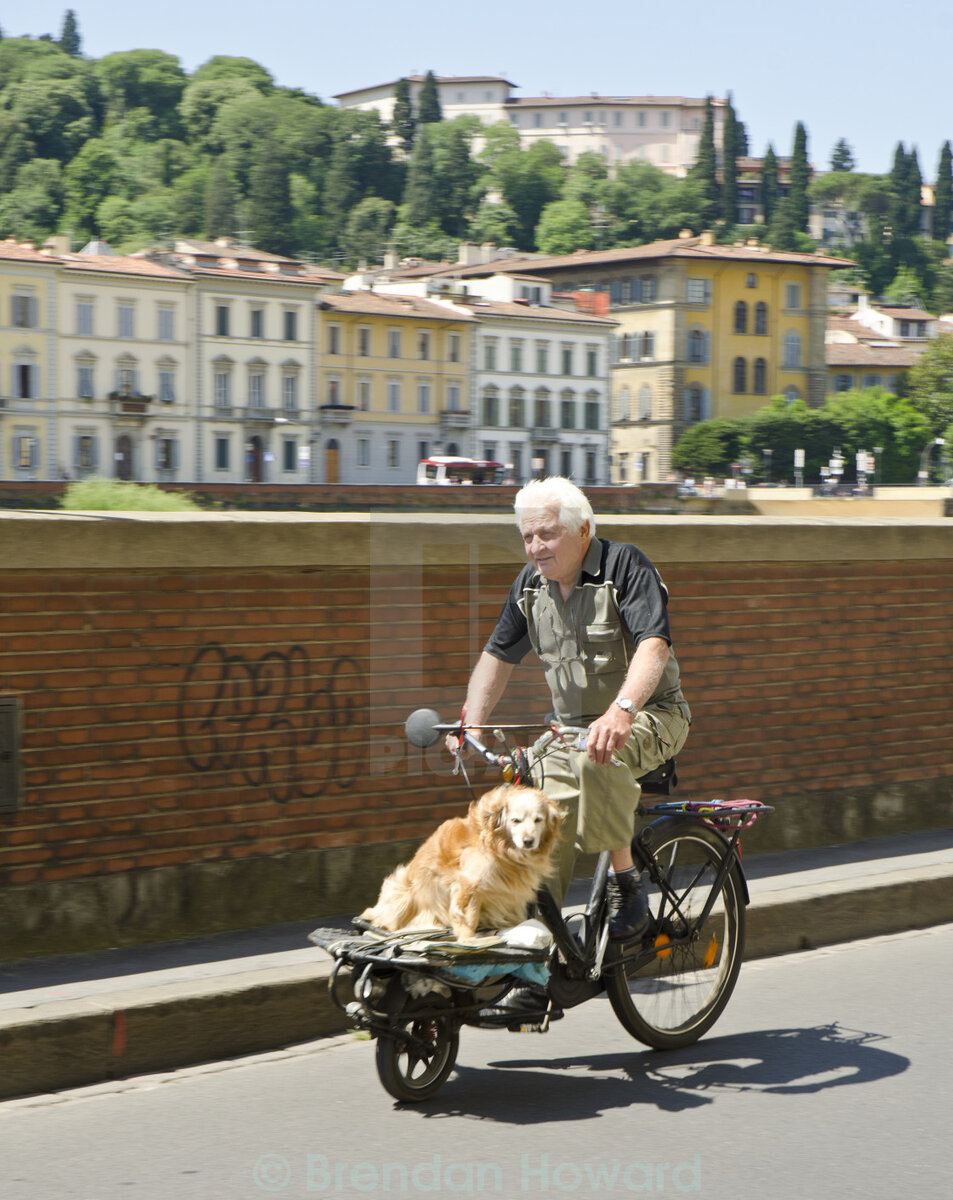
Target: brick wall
[213,705]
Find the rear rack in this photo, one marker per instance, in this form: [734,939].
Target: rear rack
[726,815]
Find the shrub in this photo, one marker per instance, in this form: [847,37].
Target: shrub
[97,495]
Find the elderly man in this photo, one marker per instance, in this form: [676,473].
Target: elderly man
[595,612]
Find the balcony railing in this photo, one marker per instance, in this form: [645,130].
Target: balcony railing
[131,403]
[337,414]
[452,418]
[544,433]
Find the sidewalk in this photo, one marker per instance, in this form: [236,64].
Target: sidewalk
[86,1018]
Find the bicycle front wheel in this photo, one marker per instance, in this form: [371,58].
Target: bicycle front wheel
[676,996]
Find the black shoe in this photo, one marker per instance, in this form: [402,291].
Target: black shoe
[522,1006]
[628,906]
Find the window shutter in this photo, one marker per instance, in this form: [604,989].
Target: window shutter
[77,444]
[94,453]
[706,405]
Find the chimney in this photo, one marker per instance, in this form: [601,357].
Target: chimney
[488,252]
[390,260]
[707,238]
[468,254]
[58,244]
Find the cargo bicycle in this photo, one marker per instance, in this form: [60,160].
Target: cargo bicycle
[413,991]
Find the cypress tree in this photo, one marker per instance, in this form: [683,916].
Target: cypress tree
[428,102]
[270,210]
[421,203]
[729,165]
[770,187]
[69,37]
[403,121]
[913,196]
[842,157]
[800,177]
[705,168]
[898,192]
[943,195]
[220,201]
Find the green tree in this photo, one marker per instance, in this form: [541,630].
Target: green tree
[842,157]
[55,111]
[221,201]
[368,229]
[704,171]
[403,121]
[770,184]
[729,165]
[224,66]
[528,180]
[647,205]
[710,447]
[341,191]
[32,208]
[929,385]
[70,42]
[564,226]
[88,179]
[149,79]
[798,180]
[428,102]
[270,211]
[943,195]
[905,288]
[873,417]
[16,148]
[457,173]
[421,201]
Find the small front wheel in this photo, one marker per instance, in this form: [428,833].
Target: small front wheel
[415,1066]
[676,996]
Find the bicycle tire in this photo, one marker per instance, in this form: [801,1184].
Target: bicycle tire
[410,1074]
[677,996]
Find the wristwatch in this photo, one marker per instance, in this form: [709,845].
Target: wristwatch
[625,705]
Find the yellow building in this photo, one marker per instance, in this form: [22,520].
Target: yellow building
[394,384]
[27,362]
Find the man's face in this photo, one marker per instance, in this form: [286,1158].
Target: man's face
[555,552]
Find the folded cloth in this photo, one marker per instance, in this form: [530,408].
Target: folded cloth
[532,972]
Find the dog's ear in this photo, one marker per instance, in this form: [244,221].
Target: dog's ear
[492,809]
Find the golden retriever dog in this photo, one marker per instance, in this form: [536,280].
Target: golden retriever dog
[474,872]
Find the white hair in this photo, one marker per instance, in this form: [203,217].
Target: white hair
[559,495]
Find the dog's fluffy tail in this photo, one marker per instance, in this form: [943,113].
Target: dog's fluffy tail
[395,908]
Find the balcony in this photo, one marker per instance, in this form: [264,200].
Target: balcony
[130,404]
[544,434]
[454,419]
[337,414]
[258,414]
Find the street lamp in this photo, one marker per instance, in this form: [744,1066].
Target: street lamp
[923,474]
[878,451]
[767,452]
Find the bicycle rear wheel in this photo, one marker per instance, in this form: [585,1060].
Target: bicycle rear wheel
[678,995]
[415,1069]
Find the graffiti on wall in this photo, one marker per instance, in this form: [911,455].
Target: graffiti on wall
[275,722]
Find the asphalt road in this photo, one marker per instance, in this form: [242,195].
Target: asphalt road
[830,1075]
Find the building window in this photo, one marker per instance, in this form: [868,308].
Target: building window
[615,292]
[166,324]
[694,403]
[256,389]
[26,452]
[516,356]
[843,383]
[645,403]
[334,393]
[126,320]
[85,387]
[565,463]
[223,389]
[363,452]
[453,347]
[741,317]
[872,381]
[697,346]
[698,291]
[363,341]
[517,409]
[792,296]
[291,325]
[648,345]
[751,280]
[257,329]
[491,407]
[167,387]
[393,395]
[644,289]
[289,392]
[761,318]
[423,397]
[85,453]
[592,415]
[393,452]
[760,377]
[127,381]
[221,320]
[489,354]
[592,362]
[84,318]
[542,358]
[542,413]
[334,339]
[567,412]
[567,360]
[393,343]
[623,405]
[167,454]
[453,397]
[221,453]
[289,454]
[423,345]
[590,476]
[740,375]
[792,349]
[25,315]
[364,394]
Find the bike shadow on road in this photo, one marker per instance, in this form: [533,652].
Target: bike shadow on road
[770,1061]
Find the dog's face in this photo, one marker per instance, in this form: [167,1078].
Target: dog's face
[524,819]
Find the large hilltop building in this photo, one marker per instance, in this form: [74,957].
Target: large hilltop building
[662,130]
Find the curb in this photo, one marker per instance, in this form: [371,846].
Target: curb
[74,1043]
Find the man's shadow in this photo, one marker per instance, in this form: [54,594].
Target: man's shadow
[773,1061]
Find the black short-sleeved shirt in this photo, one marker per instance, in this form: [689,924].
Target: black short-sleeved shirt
[586,641]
